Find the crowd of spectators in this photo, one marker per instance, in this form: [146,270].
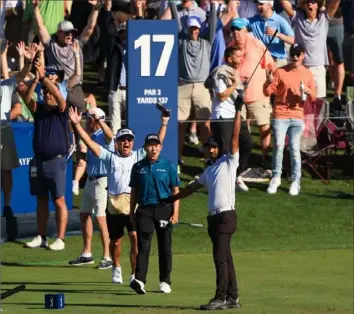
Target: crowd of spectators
[45,45]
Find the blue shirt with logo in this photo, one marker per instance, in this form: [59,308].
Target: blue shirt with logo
[258,24]
[95,166]
[153,181]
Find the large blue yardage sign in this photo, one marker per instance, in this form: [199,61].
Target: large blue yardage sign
[153,77]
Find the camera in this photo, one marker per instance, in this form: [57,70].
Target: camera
[162,108]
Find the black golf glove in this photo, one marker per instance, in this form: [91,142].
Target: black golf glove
[239,102]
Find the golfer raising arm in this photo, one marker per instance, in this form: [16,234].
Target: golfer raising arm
[219,178]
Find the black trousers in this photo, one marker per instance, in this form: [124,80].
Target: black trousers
[224,131]
[148,220]
[221,228]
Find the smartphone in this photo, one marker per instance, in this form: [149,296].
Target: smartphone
[161,107]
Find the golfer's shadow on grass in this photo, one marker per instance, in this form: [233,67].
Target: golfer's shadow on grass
[39,306]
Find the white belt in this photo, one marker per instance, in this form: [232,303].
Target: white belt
[219,211]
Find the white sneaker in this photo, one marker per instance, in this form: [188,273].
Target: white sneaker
[37,242]
[132,277]
[57,245]
[76,187]
[165,287]
[117,275]
[273,185]
[294,188]
[240,185]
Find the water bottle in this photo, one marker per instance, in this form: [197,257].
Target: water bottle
[302,90]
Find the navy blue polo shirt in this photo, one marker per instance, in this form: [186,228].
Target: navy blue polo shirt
[51,132]
[153,181]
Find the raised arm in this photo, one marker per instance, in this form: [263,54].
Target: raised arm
[21,54]
[332,7]
[165,11]
[4,64]
[288,8]
[231,12]
[175,15]
[212,22]
[76,77]
[105,128]
[237,125]
[163,128]
[92,20]
[53,89]
[43,33]
[29,57]
[75,120]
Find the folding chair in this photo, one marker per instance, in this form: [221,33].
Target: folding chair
[317,144]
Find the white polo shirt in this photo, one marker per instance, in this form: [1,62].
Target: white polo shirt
[119,169]
[224,109]
[220,180]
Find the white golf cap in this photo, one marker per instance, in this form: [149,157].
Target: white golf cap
[194,21]
[124,133]
[271,2]
[97,111]
[66,26]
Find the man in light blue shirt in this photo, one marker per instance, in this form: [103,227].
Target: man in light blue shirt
[94,200]
[265,24]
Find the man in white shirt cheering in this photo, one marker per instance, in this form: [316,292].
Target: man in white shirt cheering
[119,166]
[219,178]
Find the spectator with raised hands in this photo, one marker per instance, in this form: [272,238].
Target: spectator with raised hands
[9,158]
[194,67]
[94,200]
[310,23]
[59,46]
[265,24]
[48,166]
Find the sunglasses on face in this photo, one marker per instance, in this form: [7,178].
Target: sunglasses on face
[295,54]
[129,139]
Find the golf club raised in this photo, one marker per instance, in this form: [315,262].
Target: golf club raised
[267,46]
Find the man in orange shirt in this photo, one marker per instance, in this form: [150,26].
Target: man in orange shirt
[257,104]
[292,84]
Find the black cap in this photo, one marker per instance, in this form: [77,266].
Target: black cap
[152,138]
[296,49]
[212,141]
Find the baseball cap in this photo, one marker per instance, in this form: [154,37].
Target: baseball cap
[194,21]
[66,26]
[51,69]
[212,141]
[152,138]
[97,111]
[123,133]
[296,49]
[271,2]
[238,23]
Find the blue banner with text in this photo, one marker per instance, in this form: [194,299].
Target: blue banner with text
[153,78]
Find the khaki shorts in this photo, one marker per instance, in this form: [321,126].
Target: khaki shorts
[197,95]
[259,111]
[94,199]
[319,74]
[9,157]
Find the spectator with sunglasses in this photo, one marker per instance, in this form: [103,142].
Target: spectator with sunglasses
[119,165]
[48,167]
[288,114]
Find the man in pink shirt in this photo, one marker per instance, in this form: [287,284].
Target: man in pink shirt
[257,104]
[292,84]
